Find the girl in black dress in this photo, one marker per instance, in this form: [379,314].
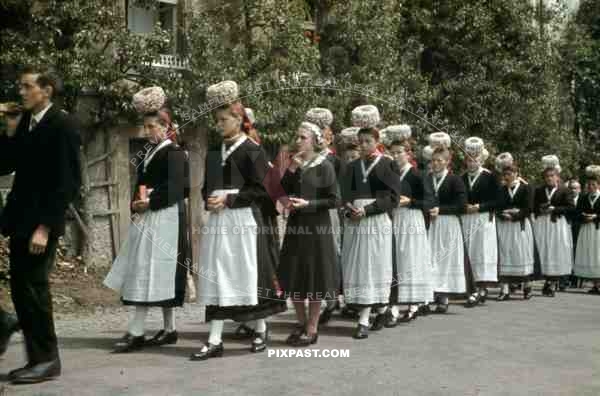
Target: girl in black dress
[151,268]
[308,256]
[237,278]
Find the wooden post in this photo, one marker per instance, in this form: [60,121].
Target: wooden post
[86,238]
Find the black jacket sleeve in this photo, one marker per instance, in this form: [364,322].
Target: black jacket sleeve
[172,189]
[253,190]
[327,197]
[491,196]
[388,196]
[459,198]
[67,172]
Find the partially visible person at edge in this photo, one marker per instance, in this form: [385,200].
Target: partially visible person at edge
[34,216]
[11,113]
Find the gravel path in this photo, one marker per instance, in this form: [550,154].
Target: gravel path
[541,347]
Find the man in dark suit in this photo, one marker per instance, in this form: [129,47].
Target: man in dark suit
[44,154]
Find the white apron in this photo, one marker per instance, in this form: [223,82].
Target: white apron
[555,245]
[144,270]
[413,257]
[227,274]
[515,248]
[367,258]
[481,242]
[448,255]
[587,255]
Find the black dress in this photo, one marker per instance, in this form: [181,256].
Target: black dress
[368,273]
[308,266]
[516,247]
[245,170]
[552,232]
[168,177]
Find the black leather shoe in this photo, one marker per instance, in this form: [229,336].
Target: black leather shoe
[441,308]
[39,373]
[390,321]
[259,343]
[129,343]
[163,338]
[483,296]
[503,297]
[527,293]
[296,333]
[379,322]
[548,290]
[306,340]
[594,290]
[326,316]
[349,313]
[407,317]
[208,351]
[243,332]
[10,326]
[361,332]
[424,310]
[15,373]
[472,301]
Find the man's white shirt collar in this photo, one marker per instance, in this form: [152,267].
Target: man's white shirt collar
[38,117]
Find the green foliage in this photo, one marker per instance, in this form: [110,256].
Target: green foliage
[580,51]
[259,47]
[466,67]
[88,45]
[490,73]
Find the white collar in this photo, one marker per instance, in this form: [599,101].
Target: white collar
[593,197]
[476,173]
[225,153]
[366,172]
[550,194]
[153,152]
[38,116]
[326,151]
[438,180]
[474,176]
[512,190]
[404,171]
[438,175]
[316,160]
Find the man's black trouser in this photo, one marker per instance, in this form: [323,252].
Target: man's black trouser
[31,297]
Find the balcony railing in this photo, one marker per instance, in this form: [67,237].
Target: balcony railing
[172,62]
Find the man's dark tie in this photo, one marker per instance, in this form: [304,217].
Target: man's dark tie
[32,124]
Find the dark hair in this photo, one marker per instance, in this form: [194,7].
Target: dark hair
[402,142]
[514,168]
[369,131]
[553,170]
[441,150]
[351,146]
[155,114]
[44,79]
